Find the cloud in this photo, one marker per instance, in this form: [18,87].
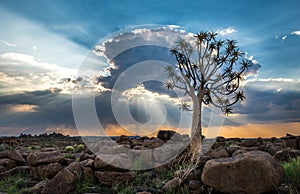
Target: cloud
[268,101]
[227,31]
[36,109]
[21,72]
[23,108]
[8,43]
[160,36]
[272,84]
[296,33]
[284,37]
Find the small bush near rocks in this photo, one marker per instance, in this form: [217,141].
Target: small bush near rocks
[69,149]
[292,171]
[34,147]
[80,147]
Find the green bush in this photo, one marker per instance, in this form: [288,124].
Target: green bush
[80,147]
[69,149]
[34,147]
[292,171]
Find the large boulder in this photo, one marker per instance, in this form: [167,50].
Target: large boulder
[167,151]
[44,158]
[13,154]
[45,171]
[153,143]
[250,173]
[7,164]
[110,178]
[291,141]
[63,182]
[272,149]
[172,184]
[110,161]
[287,154]
[219,153]
[167,135]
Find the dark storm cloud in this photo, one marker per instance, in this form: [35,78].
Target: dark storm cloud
[54,108]
[268,106]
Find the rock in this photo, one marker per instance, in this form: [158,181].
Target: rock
[75,168]
[272,139]
[272,149]
[250,173]
[172,184]
[45,158]
[120,161]
[123,139]
[195,185]
[260,141]
[3,154]
[291,142]
[250,142]
[6,164]
[13,154]
[155,143]
[143,192]
[49,149]
[63,182]
[115,149]
[220,139]
[203,159]
[190,175]
[231,150]
[137,142]
[217,145]
[38,188]
[167,151]
[87,173]
[253,148]
[219,153]
[287,154]
[137,147]
[87,163]
[16,155]
[45,171]
[165,135]
[110,178]
[18,169]
[239,151]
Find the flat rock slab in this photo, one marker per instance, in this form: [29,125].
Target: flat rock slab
[45,158]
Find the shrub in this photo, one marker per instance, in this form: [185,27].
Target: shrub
[292,171]
[80,147]
[34,147]
[69,149]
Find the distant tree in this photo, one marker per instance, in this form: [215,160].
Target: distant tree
[210,71]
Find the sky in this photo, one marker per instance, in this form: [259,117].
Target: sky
[50,50]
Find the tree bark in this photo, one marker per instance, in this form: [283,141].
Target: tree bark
[196,132]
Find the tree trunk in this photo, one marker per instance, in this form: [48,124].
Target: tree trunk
[196,132]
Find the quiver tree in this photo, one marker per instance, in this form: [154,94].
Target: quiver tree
[210,71]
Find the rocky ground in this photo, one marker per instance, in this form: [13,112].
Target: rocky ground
[60,164]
